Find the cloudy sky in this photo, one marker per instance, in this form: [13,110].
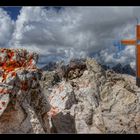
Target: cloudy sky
[62,33]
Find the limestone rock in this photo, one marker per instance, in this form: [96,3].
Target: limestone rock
[23,106]
[98,101]
[61,100]
[76,98]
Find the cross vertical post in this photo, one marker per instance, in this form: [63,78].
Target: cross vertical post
[135,42]
[138,55]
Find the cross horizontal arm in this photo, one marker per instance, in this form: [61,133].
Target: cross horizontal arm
[128,42]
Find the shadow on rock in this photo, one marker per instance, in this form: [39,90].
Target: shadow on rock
[63,123]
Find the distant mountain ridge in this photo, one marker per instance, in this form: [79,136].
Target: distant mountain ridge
[126,69]
[119,68]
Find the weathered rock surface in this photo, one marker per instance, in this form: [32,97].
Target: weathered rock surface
[23,106]
[81,97]
[98,101]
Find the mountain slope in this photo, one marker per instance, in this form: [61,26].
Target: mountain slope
[98,101]
[80,97]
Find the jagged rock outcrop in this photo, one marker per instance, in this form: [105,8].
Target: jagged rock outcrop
[98,101]
[81,97]
[23,106]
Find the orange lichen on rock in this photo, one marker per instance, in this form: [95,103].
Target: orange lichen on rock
[18,72]
[10,59]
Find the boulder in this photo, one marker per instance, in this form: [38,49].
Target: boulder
[23,106]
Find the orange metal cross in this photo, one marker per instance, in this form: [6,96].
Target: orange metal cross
[135,42]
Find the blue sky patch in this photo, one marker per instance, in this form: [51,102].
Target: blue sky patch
[13,11]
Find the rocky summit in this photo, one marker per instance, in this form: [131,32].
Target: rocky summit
[80,97]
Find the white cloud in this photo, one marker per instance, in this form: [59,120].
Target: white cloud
[126,56]
[6,28]
[75,32]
